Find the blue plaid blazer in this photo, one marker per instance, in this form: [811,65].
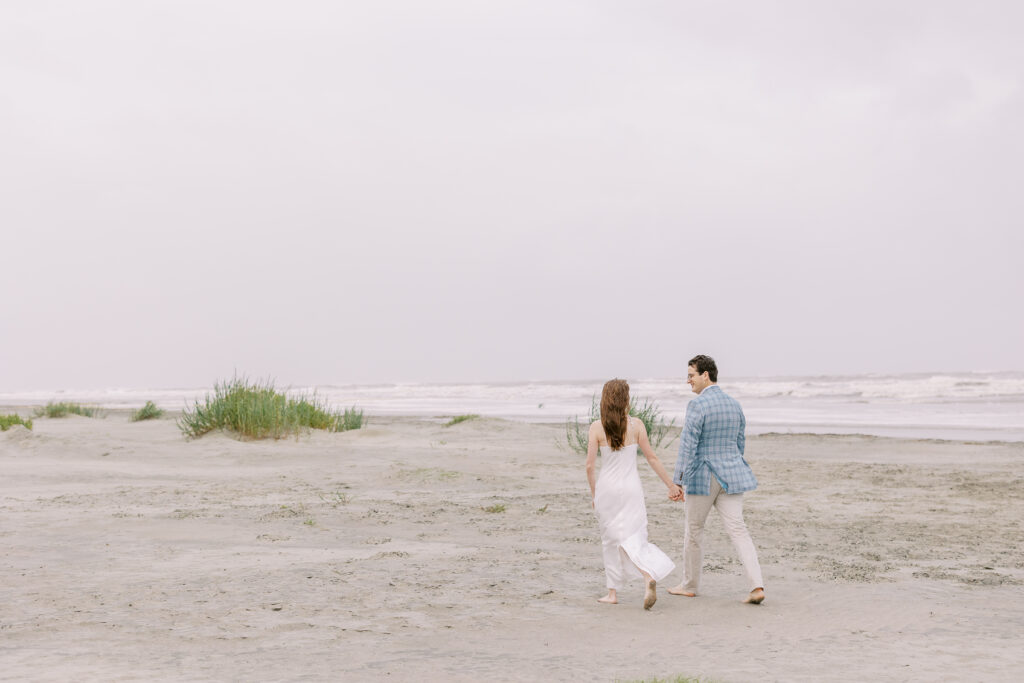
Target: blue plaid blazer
[712,443]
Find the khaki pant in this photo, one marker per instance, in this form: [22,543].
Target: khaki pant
[730,507]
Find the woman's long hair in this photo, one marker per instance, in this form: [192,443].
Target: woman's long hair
[614,403]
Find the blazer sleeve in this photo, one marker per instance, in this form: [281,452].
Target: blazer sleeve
[741,439]
[693,425]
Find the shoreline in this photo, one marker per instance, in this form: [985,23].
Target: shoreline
[26,411]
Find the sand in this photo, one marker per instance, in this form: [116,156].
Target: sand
[412,551]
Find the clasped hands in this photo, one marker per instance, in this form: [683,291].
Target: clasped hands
[676,493]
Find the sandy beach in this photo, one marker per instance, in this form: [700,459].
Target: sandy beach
[408,550]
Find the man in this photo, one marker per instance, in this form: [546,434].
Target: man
[712,472]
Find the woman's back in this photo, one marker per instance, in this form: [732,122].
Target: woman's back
[618,464]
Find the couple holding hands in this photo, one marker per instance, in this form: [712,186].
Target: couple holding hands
[710,472]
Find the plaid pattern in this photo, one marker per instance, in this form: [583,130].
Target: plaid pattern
[712,442]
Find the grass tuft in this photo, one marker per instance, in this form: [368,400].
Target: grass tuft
[8,421]
[647,411]
[257,411]
[337,498]
[65,409]
[147,412]
[352,418]
[495,508]
[460,418]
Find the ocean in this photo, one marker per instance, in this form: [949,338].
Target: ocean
[958,406]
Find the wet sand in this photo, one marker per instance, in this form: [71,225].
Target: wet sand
[412,551]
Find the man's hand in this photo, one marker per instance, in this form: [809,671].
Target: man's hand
[675,493]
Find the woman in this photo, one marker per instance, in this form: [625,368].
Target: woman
[618,496]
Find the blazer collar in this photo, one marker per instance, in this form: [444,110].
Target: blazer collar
[713,386]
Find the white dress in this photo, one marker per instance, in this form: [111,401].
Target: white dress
[622,518]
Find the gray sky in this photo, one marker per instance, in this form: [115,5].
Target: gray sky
[335,192]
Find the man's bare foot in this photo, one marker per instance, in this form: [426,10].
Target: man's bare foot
[650,595]
[678,590]
[756,597]
[610,599]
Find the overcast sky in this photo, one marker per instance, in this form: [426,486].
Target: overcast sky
[349,192]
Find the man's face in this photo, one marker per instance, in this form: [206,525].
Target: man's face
[697,382]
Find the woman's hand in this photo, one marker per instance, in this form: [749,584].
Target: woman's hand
[676,493]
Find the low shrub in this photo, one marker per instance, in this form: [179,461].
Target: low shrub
[8,421]
[147,412]
[460,418]
[65,409]
[352,418]
[258,411]
[647,411]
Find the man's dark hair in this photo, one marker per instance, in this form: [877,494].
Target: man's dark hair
[705,364]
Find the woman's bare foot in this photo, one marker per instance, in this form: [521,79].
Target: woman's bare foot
[678,590]
[756,597]
[609,599]
[650,595]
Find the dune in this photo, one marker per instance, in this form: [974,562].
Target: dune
[408,550]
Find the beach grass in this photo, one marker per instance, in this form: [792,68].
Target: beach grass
[8,421]
[147,412]
[64,409]
[351,418]
[674,679]
[645,410]
[498,507]
[460,418]
[258,411]
[336,498]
